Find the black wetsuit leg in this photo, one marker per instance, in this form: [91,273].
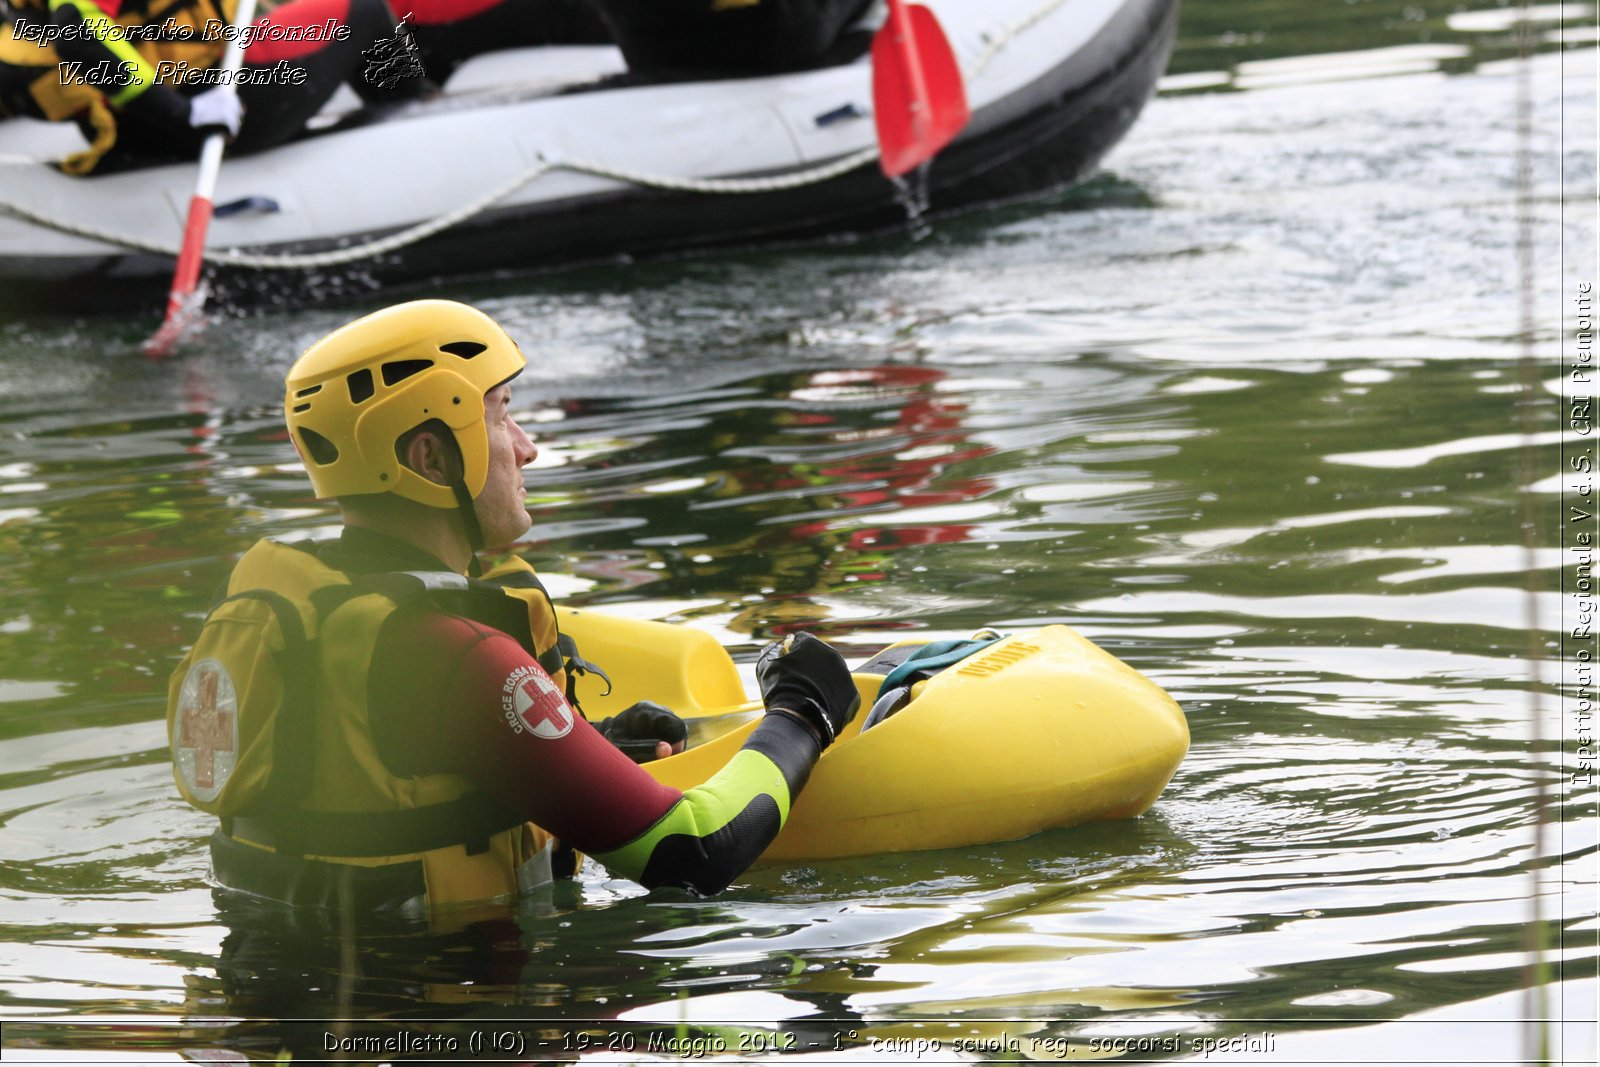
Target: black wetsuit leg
[686,38]
[275,112]
[449,32]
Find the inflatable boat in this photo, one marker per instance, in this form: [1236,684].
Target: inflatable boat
[546,157]
[1032,731]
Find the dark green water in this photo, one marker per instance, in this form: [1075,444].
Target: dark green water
[1243,410]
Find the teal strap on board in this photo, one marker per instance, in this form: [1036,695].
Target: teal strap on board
[933,657]
[895,691]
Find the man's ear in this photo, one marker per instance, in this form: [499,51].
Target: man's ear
[428,454]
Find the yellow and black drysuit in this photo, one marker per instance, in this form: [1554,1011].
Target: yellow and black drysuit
[125,70]
[271,728]
[70,60]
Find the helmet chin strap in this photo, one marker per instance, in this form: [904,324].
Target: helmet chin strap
[469,519]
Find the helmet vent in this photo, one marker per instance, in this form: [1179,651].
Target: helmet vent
[322,450]
[361,387]
[401,369]
[463,349]
[309,390]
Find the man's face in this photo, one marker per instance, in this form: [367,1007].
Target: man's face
[501,507]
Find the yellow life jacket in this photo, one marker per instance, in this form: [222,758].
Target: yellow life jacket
[55,97]
[267,720]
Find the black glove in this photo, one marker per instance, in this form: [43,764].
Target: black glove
[635,730]
[806,676]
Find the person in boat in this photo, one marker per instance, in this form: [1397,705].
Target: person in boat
[727,38]
[449,32]
[659,39]
[381,722]
[141,77]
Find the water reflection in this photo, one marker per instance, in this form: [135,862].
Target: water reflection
[782,503]
[1353,814]
[556,970]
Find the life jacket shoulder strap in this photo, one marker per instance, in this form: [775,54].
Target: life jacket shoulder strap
[481,601]
[291,738]
[490,603]
[575,665]
[564,654]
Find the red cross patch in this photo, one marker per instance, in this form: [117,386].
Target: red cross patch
[533,702]
[207,738]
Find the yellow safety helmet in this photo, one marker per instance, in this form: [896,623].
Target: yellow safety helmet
[351,396]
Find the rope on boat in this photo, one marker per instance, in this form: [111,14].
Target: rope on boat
[993,44]
[738,186]
[233,257]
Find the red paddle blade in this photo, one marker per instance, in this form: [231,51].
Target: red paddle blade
[918,99]
[187,301]
[185,315]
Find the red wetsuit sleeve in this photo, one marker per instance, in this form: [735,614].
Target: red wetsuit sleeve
[451,696]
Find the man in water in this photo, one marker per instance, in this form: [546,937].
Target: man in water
[377,726]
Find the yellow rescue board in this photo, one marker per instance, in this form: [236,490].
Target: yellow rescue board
[1043,729]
